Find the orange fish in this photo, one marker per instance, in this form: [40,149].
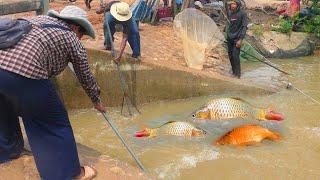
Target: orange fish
[247,135]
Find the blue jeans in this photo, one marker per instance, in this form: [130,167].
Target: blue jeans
[133,36]
[47,126]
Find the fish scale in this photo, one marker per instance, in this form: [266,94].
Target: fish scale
[226,108]
[177,128]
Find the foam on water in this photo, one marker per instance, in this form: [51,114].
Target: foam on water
[172,169]
[314,130]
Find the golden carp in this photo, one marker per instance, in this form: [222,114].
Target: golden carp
[247,135]
[175,128]
[228,108]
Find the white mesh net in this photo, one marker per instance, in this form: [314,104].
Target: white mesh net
[198,32]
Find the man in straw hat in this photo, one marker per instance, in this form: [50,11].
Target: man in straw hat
[25,70]
[120,13]
[236,31]
[198,5]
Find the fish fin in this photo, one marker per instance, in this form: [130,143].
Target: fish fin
[169,122]
[274,136]
[152,133]
[240,146]
[248,143]
[258,144]
[205,130]
[237,98]
[270,108]
[240,99]
[261,115]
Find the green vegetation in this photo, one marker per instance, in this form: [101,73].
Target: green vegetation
[307,20]
[257,30]
[285,25]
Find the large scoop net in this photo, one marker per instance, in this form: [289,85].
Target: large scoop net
[198,32]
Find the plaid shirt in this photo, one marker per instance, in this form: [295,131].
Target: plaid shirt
[45,52]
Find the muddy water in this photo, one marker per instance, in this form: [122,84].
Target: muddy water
[296,156]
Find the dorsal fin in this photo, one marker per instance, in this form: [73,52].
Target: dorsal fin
[240,99]
[205,130]
[237,98]
[169,122]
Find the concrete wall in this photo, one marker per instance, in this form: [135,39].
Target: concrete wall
[18,6]
[146,83]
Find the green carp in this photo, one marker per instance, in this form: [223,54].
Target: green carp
[174,128]
[229,108]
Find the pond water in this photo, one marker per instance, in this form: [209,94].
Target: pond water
[295,156]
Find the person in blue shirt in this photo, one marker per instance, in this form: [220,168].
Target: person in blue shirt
[119,13]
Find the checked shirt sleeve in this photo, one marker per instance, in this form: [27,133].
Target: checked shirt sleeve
[79,60]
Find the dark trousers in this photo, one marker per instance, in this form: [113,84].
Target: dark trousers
[47,126]
[234,56]
[133,36]
[11,140]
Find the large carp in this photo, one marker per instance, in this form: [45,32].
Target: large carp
[229,108]
[247,135]
[175,128]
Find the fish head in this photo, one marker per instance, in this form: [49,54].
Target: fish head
[272,115]
[221,141]
[144,133]
[225,139]
[202,114]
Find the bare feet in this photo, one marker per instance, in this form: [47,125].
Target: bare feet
[86,173]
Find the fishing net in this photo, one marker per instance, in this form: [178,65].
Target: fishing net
[197,32]
[249,53]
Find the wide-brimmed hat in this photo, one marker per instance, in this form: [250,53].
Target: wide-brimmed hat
[199,4]
[238,2]
[75,15]
[121,11]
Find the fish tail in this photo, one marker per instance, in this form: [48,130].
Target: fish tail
[261,114]
[274,136]
[146,133]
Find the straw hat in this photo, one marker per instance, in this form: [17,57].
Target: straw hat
[121,11]
[234,2]
[77,16]
[199,4]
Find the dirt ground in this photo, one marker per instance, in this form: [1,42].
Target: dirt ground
[24,168]
[159,44]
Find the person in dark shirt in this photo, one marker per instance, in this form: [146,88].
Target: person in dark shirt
[236,32]
[119,13]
